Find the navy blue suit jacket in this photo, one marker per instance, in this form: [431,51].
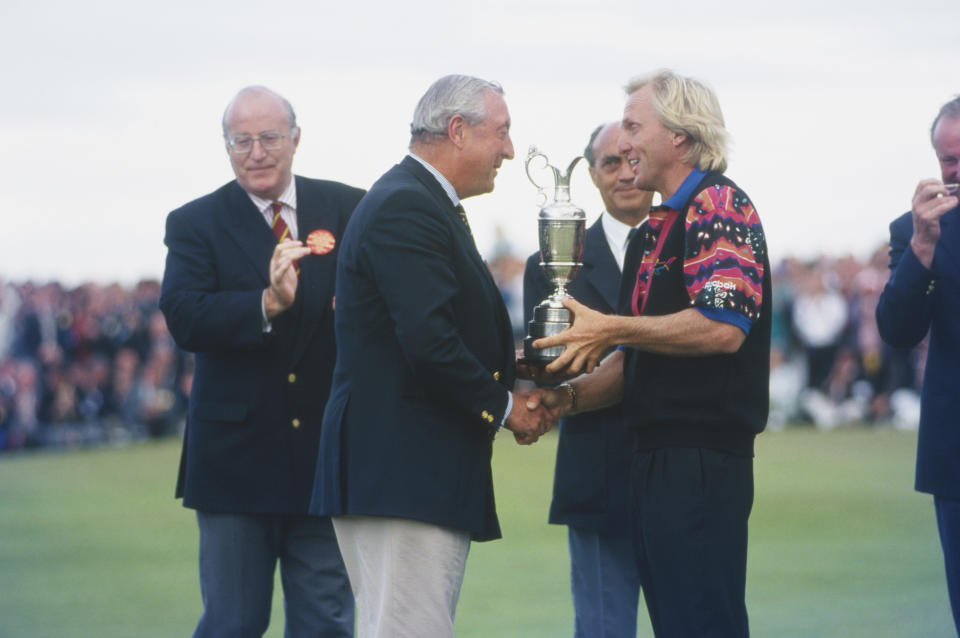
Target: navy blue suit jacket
[914,302]
[253,421]
[424,363]
[594,449]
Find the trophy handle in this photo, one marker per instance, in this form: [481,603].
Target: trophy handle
[532,153]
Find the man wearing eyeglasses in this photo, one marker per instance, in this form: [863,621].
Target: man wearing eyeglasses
[249,288]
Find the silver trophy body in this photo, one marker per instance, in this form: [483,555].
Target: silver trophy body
[562,227]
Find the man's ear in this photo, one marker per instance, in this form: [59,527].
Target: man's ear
[457,130]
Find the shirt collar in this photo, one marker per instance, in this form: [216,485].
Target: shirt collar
[615,230]
[444,182]
[287,197]
[686,189]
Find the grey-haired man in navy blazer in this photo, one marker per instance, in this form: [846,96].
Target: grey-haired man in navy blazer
[248,287]
[923,297]
[590,492]
[424,372]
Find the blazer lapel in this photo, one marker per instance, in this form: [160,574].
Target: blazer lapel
[245,226]
[443,202]
[470,246]
[600,267]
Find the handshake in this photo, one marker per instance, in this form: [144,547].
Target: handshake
[535,412]
[585,343]
[537,409]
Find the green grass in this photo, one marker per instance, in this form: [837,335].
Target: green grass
[92,544]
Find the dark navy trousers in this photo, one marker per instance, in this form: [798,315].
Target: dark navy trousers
[948,522]
[605,582]
[690,530]
[238,558]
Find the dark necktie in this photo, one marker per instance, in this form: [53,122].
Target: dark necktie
[281,230]
[279,226]
[463,217]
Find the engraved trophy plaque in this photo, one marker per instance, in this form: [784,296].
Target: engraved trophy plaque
[562,226]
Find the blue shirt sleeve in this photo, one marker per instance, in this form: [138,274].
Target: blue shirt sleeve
[727,316]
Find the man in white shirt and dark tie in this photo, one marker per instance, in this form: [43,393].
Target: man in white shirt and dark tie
[593,455]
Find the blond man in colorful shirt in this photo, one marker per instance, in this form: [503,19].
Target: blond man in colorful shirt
[692,365]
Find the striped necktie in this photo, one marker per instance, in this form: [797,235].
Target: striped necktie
[463,217]
[281,230]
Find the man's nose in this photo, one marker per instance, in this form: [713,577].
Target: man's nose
[257,151]
[508,148]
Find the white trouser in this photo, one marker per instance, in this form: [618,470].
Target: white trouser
[406,575]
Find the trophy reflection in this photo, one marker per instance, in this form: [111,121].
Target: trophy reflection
[561,227]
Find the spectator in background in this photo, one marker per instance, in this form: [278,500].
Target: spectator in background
[820,316]
[507,271]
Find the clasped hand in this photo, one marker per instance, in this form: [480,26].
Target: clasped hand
[534,413]
[283,276]
[930,201]
[537,411]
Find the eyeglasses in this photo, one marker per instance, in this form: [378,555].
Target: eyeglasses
[269,141]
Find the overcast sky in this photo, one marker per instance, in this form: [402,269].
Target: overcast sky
[111,110]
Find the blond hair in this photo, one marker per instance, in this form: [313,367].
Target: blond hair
[688,107]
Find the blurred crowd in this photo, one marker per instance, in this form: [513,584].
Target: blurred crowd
[91,364]
[96,364]
[829,365]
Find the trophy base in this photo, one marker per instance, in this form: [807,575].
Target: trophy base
[549,318]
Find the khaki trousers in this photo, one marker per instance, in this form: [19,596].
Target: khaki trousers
[405,575]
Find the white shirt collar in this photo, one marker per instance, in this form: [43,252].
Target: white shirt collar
[288,197]
[444,182]
[616,233]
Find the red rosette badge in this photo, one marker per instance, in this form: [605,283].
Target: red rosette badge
[321,241]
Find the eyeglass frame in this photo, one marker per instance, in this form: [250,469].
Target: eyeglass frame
[256,138]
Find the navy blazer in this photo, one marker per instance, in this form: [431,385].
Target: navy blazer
[424,363]
[594,449]
[914,302]
[253,422]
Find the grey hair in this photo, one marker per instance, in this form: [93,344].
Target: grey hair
[449,96]
[688,107]
[950,110]
[291,116]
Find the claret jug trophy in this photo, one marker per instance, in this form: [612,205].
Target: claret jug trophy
[561,226]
